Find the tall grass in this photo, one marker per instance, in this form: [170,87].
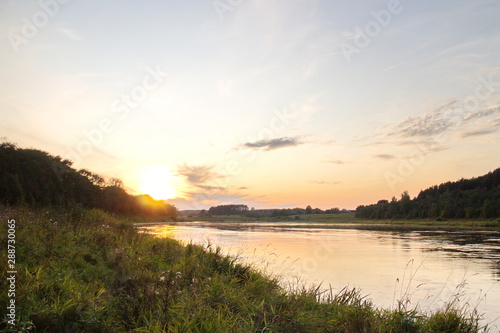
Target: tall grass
[86,271]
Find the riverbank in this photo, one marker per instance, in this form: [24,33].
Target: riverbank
[86,271]
[348,219]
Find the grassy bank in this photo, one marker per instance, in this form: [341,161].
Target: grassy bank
[85,271]
[349,219]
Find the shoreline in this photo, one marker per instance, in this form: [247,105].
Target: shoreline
[342,221]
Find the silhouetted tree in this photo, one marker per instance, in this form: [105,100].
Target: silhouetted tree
[228,210]
[36,178]
[469,198]
[11,192]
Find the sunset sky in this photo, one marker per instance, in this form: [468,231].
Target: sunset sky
[267,103]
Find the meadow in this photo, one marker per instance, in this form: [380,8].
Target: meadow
[88,271]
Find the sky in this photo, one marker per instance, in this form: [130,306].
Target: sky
[269,103]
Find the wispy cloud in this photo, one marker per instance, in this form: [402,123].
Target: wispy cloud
[427,125]
[479,132]
[202,200]
[197,174]
[324,182]
[438,120]
[385,157]
[273,144]
[207,187]
[70,34]
[449,116]
[495,122]
[483,113]
[338,162]
[211,188]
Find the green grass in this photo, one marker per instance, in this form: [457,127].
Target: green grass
[86,271]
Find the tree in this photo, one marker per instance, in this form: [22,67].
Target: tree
[97,180]
[228,210]
[39,179]
[309,210]
[434,210]
[11,192]
[405,203]
[115,182]
[469,198]
[488,210]
[335,210]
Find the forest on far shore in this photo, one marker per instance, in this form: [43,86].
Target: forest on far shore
[467,198]
[35,178]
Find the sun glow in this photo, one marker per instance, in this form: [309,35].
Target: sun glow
[158,182]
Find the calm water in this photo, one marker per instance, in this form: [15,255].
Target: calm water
[429,267]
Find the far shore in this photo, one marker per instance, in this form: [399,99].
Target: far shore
[341,221]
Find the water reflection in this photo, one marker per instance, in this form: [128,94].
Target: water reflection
[429,267]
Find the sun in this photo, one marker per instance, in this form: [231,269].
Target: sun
[158,182]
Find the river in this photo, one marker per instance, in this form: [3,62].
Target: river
[428,268]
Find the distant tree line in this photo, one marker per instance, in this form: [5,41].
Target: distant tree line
[243,210]
[466,198]
[228,210]
[35,178]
